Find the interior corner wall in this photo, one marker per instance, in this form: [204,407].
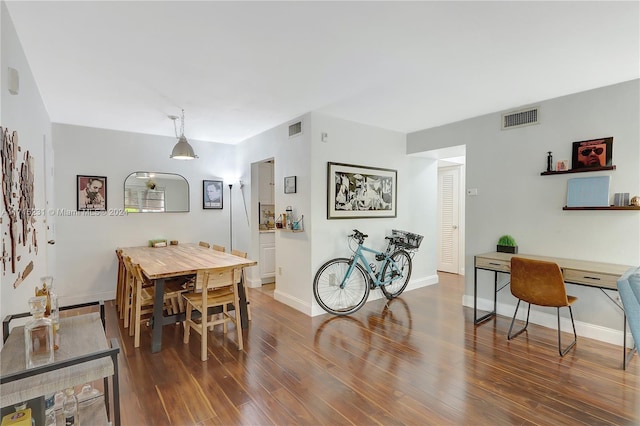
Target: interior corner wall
[513,198]
[292,157]
[86,262]
[353,143]
[26,114]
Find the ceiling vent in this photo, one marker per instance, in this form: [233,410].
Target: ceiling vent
[520,118]
[295,129]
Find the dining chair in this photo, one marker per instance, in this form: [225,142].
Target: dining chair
[120,284]
[216,247]
[204,244]
[241,281]
[213,288]
[141,299]
[540,283]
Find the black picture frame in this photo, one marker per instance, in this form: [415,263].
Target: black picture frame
[212,194]
[290,183]
[361,191]
[592,154]
[91,193]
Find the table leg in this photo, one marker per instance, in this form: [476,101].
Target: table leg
[242,296]
[485,317]
[157,321]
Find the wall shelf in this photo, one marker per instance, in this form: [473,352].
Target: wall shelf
[603,208]
[590,169]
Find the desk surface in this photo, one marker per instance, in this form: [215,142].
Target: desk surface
[181,259]
[583,272]
[79,335]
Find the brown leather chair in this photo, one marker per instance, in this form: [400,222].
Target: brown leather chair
[540,283]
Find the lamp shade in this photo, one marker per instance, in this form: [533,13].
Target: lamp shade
[182,150]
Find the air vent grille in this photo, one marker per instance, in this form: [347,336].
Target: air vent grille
[522,118]
[295,129]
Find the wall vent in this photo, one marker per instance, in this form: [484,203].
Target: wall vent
[520,118]
[295,129]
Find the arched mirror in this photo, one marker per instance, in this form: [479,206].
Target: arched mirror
[153,192]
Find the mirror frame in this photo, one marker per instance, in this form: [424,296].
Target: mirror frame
[188,209]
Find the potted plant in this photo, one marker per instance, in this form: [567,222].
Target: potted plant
[507,244]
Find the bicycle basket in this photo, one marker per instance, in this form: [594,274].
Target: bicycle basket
[406,240]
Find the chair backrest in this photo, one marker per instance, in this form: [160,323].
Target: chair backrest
[239,253]
[538,282]
[219,248]
[629,290]
[204,244]
[212,279]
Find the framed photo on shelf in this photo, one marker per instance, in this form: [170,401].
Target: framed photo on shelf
[360,191]
[212,194]
[92,193]
[593,153]
[290,185]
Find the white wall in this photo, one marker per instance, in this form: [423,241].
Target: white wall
[86,261]
[26,114]
[299,255]
[514,199]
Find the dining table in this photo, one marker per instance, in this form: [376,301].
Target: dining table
[159,264]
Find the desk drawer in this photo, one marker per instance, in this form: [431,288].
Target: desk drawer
[590,278]
[493,264]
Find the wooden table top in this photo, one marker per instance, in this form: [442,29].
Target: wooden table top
[181,259]
[581,265]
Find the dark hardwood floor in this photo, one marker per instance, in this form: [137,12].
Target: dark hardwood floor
[418,361]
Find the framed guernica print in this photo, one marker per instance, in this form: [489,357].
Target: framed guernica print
[360,191]
[92,193]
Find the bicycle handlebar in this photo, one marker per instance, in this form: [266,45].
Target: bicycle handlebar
[358,236]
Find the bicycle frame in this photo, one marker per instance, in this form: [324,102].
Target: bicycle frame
[358,256]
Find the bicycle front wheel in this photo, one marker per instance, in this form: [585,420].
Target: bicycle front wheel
[337,299]
[402,274]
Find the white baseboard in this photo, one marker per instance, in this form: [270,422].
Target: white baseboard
[294,302]
[583,329]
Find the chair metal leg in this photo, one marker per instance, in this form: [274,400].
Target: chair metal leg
[511,336]
[575,336]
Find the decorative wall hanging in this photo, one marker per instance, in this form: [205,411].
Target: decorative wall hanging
[360,191]
[212,194]
[290,185]
[593,153]
[92,193]
[18,221]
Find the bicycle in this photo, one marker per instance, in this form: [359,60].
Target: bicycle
[342,285]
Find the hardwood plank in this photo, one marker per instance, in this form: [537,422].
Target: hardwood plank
[421,360]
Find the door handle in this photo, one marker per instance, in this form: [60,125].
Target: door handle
[52,242]
[454,227]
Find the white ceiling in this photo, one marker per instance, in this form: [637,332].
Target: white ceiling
[239,68]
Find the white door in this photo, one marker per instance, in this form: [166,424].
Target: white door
[448,219]
[49,204]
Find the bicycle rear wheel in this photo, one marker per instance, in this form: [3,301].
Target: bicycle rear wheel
[394,288]
[334,299]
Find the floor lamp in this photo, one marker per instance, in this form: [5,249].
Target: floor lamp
[230,219]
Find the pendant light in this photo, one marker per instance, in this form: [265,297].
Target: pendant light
[182,150]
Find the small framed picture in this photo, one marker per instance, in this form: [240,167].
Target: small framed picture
[92,193]
[562,166]
[593,153]
[212,194]
[290,185]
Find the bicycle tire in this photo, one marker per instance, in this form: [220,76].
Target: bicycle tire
[395,288]
[336,300]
